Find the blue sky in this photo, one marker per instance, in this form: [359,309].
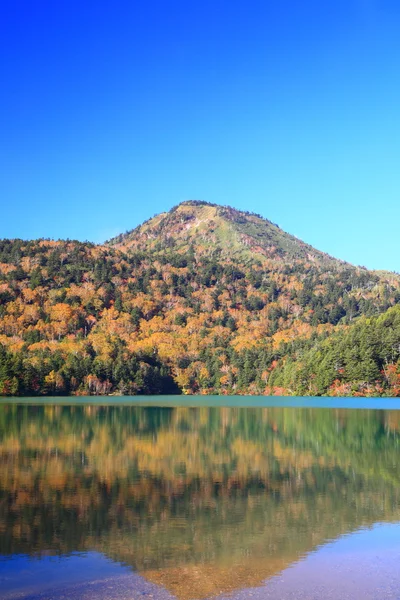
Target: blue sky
[111,112]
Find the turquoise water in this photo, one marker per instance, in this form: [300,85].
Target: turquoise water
[195,496]
[210,401]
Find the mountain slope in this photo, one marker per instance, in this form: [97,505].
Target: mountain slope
[202,299]
[210,227]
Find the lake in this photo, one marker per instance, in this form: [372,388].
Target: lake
[199,497]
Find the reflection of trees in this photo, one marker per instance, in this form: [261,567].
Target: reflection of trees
[170,488]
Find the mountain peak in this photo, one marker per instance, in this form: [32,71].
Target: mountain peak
[194,203]
[207,227]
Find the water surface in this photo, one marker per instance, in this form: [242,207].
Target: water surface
[194,502]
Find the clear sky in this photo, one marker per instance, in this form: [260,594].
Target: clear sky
[111,112]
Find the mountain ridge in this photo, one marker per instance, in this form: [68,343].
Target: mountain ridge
[231,227]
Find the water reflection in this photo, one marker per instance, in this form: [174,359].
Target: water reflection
[200,500]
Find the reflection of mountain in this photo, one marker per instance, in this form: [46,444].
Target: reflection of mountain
[199,500]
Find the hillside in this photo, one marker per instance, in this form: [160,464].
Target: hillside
[202,299]
[209,228]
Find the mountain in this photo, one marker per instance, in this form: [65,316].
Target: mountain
[212,228]
[201,299]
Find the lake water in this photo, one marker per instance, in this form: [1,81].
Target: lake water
[123,499]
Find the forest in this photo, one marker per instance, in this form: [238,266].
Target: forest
[203,299]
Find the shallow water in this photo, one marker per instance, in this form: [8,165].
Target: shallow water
[194,502]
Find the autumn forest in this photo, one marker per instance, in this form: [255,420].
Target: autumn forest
[204,299]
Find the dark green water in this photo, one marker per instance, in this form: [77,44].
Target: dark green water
[200,500]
